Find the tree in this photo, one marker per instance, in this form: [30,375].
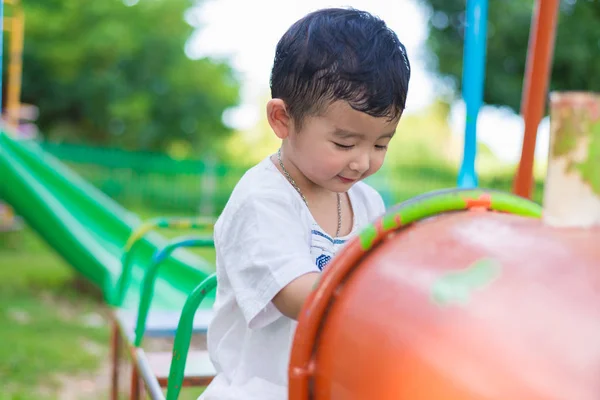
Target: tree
[116,73]
[576,56]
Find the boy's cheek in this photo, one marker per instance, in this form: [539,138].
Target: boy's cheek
[376,165]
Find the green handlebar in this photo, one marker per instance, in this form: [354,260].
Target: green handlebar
[150,278]
[134,241]
[183,336]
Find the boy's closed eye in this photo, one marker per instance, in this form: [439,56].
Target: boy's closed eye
[344,139]
[350,146]
[343,146]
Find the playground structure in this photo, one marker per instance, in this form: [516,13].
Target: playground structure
[104,242]
[445,286]
[483,301]
[14,24]
[535,86]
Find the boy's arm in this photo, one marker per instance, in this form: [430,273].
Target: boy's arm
[266,254]
[291,298]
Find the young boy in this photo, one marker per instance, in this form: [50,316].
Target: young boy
[339,84]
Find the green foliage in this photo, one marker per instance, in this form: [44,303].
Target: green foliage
[103,72]
[576,57]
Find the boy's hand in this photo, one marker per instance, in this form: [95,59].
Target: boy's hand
[291,298]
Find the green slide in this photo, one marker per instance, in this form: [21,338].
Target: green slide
[89,230]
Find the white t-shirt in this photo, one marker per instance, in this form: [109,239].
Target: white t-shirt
[265,238]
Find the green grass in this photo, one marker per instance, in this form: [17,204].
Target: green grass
[52,324]
[43,317]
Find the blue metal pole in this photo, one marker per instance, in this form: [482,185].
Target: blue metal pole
[472,83]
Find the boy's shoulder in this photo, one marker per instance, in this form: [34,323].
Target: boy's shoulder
[262,182]
[369,198]
[362,188]
[262,197]
[366,192]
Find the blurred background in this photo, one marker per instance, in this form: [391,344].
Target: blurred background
[160,105]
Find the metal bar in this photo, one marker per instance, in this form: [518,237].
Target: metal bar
[115,347]
[15,67]
[150,278]
[134,240]
[181,345]
[1,48]
[472,82]
[537,77]
[150,382]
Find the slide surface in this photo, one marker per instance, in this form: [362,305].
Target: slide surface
[89,230]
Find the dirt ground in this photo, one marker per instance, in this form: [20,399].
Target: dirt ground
[97,384]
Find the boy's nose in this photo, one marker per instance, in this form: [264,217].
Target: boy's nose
[360,164]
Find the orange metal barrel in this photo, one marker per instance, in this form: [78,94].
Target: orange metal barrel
[463,305]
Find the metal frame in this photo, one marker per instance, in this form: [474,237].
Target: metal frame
[121,326]
[185,328]
[138,234]
[15,25]
[181,345]
[540,51]
[473,79]
[535,88]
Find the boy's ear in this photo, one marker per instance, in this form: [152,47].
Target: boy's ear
[279,118]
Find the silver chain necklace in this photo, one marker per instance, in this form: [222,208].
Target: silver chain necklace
[293,183]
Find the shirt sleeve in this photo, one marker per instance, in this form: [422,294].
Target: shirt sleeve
[373,201]
[379,205]
[263,247]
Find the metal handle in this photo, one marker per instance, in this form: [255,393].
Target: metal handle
[150,278]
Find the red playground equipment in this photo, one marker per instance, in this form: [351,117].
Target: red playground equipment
[468,294]
[473,303]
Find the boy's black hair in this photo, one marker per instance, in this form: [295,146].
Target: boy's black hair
[340,54]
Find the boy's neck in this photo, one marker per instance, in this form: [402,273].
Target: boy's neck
[309,189]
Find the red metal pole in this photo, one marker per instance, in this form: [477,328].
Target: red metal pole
[537,76]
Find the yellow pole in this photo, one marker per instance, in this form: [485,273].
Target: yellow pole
[15,66]
[16,26]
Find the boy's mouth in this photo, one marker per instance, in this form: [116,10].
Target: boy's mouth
[346,180]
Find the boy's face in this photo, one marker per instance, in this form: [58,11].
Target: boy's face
[340,147]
